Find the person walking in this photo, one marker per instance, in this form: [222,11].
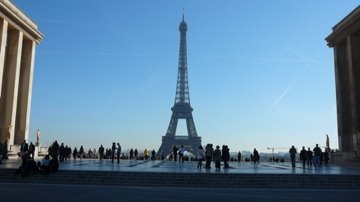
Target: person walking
[292,152]
[303,155]
[201,156]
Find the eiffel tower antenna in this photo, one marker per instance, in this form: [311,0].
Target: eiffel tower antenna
[181,108]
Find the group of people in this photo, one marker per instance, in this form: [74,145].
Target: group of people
[217,155]
[310,157]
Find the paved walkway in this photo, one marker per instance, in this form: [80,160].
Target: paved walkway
[190,167]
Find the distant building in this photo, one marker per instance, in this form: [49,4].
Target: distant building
[345,39]
[19,36]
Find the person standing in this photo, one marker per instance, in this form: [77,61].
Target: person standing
[239,156]
[208,155]
[75,153]
[317,155]
[309,157]
[201,155]
[118,152]
[181,153]
[292,152]
[225,156]
[175,151]
[81,152]
[101,152]
[146,154]
[113,150]
[24,147]
[31,150]
[256,156]
[303,155]
[153,155]
[217,157]
[136,154]
[131,154]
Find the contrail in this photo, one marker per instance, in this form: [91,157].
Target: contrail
[293,82]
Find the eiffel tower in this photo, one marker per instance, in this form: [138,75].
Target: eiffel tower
[181,108]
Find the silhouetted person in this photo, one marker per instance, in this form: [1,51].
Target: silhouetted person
[309,157]
[113,150]
[31,150]
[24,147]
[317,155]
[81,152]
[131,153]
[326,158]
[181,153]
[62,152]
[225,156]
[239,156]
[175,152]
[256,156]
[292,152]
[101,152]
[217,157]
[303,156]
[136,154]
[208,155]
[118,152]
[153,155]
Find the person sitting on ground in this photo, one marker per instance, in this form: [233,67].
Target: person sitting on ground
[44,166]
[28,165]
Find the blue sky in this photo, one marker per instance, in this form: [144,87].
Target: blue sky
[260,72]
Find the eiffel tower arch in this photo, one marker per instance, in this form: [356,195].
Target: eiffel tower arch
[182,108]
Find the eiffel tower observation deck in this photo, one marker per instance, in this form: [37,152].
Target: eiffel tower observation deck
[181,108]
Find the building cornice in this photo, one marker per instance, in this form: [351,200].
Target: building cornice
[347,26]
[16,17]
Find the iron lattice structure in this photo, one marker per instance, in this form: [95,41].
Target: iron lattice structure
[181,108]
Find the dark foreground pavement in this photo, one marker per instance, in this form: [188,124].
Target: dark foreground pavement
[54,192]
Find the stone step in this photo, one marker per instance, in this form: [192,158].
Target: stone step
[188,179]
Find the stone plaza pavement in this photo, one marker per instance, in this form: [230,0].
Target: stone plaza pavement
[191,167]
[176,174]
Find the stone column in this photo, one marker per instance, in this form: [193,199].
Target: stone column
[353,53]
[343,97]
[25,91]
[11,80]
[3,38]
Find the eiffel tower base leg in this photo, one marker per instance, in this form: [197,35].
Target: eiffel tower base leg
[191,144]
